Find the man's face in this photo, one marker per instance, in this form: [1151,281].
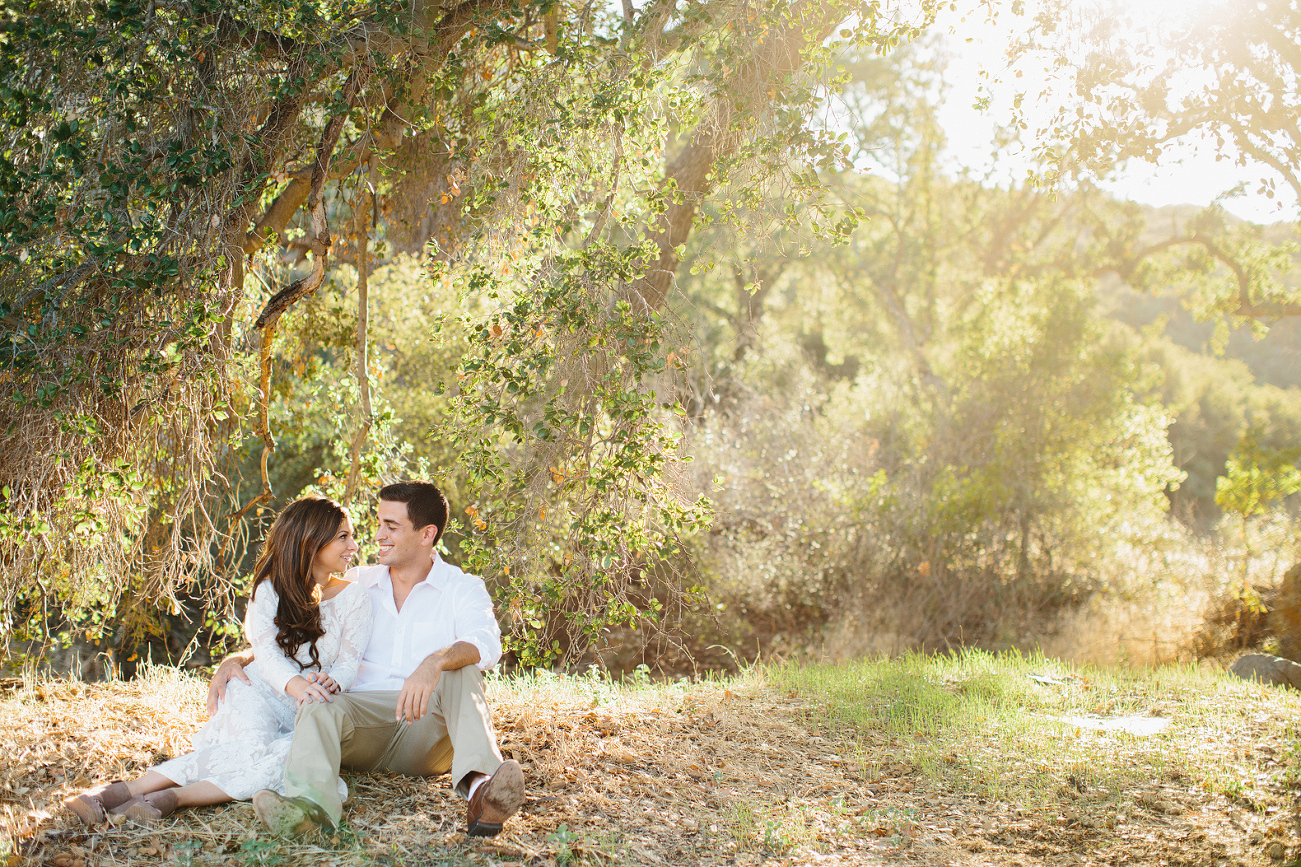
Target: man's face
[401,544]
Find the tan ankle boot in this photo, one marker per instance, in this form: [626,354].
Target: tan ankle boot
[90,806]
[150,808]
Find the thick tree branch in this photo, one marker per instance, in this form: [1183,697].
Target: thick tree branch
[319,238]
[388,131]
[1242,276]
[688,181]
[277,217]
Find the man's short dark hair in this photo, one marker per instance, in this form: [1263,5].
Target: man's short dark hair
[425,503]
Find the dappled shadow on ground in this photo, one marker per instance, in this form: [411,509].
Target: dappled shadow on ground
[711,774]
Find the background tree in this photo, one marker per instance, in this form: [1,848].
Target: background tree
[930,429]
[1225,74]
[720,231]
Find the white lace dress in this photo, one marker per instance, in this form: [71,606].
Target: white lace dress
[243,747]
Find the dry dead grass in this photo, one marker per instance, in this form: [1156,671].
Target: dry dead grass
[727,772]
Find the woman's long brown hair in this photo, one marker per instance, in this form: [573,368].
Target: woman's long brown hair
[298,534]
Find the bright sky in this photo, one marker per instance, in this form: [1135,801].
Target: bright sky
[1190,175]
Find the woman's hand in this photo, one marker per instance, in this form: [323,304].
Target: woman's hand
[303,691]
[323,678]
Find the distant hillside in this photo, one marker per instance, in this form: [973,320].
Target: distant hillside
[1217,386]
[1273,359]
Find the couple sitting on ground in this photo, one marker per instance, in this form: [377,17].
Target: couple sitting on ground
[378,671]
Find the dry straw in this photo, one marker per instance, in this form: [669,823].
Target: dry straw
[706,773]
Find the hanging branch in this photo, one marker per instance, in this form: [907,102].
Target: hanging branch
[320,241]
[1247,276]
[366,209]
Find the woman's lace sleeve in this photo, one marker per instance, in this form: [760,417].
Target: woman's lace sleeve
[260,630]
[354,638]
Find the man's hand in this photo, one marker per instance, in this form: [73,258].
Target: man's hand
[231,667]
[413,700]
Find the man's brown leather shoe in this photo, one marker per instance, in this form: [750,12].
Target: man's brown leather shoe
[496,801]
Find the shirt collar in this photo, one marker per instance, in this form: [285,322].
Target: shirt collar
[367,576]
[372,576]
[437,577]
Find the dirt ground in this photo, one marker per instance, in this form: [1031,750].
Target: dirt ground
[710,774]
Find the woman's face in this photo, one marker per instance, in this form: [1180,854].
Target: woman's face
[336,554]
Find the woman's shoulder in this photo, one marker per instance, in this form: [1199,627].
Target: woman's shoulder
[263,593]
[349,593]
[358,593]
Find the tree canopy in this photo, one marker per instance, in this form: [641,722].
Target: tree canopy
[164,164]
[1224,75]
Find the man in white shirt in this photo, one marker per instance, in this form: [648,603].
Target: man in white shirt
[418,705]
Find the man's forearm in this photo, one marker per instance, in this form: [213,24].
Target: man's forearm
[231,667]
[459,655]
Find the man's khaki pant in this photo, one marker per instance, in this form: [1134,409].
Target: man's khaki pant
[358,731]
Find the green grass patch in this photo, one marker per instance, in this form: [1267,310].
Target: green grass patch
[1016,728]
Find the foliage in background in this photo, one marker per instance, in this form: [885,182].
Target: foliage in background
[905,403]
[155,157]
[1225,74]
[1255,480]
[567,421]
[930,430]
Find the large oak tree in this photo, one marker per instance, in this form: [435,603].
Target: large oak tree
[161,161]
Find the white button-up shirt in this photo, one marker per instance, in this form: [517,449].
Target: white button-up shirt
[447,607]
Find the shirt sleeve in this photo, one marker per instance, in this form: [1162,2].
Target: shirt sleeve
[260,630]
[354,638]
[476,623]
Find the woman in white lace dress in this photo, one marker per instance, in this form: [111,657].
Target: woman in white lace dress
[308,629]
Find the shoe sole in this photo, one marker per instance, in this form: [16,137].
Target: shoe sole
[504,797]
[282,816]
